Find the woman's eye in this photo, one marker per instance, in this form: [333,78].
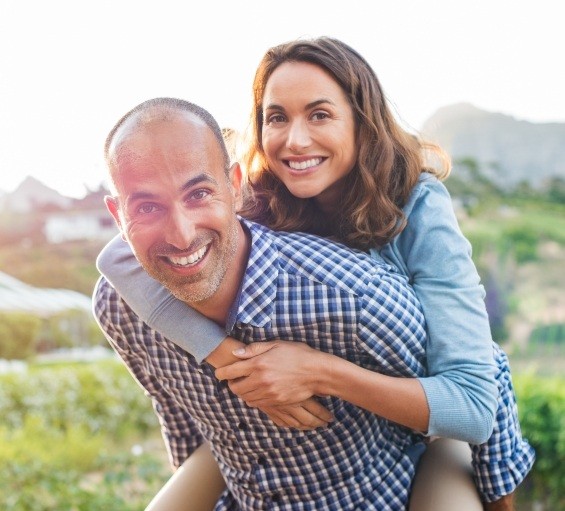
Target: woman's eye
[275,119]
[319,116]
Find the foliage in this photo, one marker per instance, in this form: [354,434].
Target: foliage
[121,482]
[548,336]
[18,333]
[542,417]
[66,437]
[65,265]
[71,328]
[22,335]
[99,397]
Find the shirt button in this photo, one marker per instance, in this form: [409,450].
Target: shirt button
[242,425]
[276,497]
[261,460]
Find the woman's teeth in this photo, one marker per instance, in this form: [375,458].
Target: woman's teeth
[303,165]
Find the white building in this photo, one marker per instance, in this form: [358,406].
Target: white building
[79,225]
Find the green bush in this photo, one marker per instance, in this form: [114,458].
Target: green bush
[18,334]
[67,434]
[101,397]
[542,416]
[551,334]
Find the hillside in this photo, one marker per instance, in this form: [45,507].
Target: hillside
[508,150]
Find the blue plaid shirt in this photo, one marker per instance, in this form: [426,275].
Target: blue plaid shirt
[300,288]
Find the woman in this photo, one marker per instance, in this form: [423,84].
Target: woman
[326,156]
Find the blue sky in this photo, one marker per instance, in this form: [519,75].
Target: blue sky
[69,70]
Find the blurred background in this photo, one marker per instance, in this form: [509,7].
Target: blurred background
[482,79]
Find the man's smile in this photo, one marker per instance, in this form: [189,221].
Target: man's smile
[188,260]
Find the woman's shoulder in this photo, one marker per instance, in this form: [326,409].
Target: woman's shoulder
[428,192]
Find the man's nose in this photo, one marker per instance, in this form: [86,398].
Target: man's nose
[180,228]
[298,136]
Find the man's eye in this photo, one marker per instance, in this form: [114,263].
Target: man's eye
[199,194]
[145,209]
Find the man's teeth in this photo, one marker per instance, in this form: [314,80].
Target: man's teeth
[302,165]
[190,259]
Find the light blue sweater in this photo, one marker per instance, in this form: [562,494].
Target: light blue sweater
[436,257]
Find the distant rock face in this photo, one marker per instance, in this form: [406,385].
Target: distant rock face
[508,150]
[31,194]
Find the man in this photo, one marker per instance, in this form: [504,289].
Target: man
[360,323]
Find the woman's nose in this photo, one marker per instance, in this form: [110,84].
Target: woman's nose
[298,136]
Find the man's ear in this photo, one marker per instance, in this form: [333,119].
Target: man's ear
[236,178]
[114,209]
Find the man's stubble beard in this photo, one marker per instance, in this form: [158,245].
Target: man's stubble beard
[185,288]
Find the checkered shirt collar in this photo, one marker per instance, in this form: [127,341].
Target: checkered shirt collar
[259,287]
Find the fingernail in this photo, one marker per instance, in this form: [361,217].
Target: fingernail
[239,351]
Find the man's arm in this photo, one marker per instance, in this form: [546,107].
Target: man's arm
[118,323]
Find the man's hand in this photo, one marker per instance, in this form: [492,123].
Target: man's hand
[506,503]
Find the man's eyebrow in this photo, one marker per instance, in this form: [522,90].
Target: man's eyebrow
[196,180]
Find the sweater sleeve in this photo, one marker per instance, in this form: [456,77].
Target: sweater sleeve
[460,386]
[155,305]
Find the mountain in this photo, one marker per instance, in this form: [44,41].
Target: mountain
[31,194]
[508,150]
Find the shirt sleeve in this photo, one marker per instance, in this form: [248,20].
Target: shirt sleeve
[433,253]
[155,305]
[124,331]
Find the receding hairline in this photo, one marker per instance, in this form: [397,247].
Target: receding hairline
[164,109]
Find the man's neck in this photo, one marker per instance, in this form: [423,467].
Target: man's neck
[217,307]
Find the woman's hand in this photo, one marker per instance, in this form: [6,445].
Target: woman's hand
[307,415]
[273,373]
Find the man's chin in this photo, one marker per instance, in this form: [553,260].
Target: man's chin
[189,293]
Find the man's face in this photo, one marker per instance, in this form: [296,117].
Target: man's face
[175,205]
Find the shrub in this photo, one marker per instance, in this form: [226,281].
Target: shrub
[66,436]
[542,417]
[18,334]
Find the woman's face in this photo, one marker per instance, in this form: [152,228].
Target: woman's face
[308,132]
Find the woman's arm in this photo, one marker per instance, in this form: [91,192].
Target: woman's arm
[285,372]
[460,386]
[459,396]
[187,328]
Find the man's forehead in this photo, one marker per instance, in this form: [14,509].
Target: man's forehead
[146,124]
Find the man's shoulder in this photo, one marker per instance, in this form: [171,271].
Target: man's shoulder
[105,299]
[102,290]
[321,260]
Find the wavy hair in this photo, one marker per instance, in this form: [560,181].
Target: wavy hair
[388,164]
